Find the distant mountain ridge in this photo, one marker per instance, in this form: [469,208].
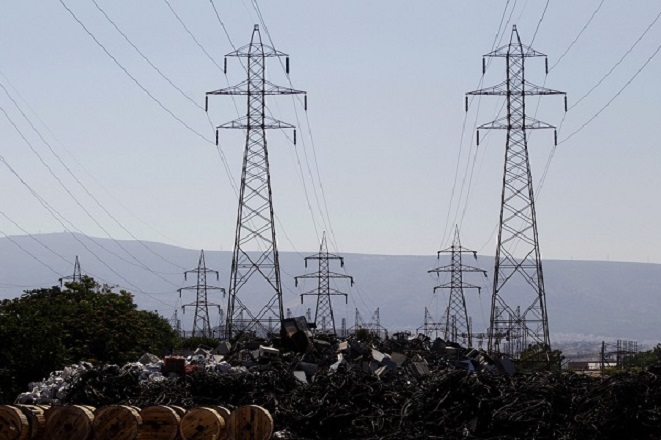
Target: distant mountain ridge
[585,299]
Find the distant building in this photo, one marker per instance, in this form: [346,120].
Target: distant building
[589,365]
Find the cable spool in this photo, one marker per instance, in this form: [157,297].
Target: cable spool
[37,420]
[180,410]
[14,425]
[117,422]
[72,422]
[250,422]
[160,423]
[225,414]
[201,423]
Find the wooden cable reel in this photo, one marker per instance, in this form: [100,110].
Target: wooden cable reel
[14,425]
[225,414]
[36,416]
[160,423]
[117,422]
[201,423]
[71,422]
[250,422]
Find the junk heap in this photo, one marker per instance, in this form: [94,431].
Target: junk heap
[401,388]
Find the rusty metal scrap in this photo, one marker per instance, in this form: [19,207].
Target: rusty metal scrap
[395,389]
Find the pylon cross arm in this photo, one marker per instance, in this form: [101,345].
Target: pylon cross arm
[243,123]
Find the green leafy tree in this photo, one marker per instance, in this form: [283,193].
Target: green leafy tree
[46,329]
[197,342]
[648,358]
[540,357]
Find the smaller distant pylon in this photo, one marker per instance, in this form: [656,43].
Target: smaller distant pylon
[201,322]
[457,323]
[76,277]
[324,318]
[430,327]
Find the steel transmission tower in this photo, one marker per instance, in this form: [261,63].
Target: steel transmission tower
[255,258]
[430,327]
[77,274]
[201,323]
[359,322]
[323,317]
[518,281]
[457,323]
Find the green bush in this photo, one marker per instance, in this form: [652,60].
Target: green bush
[46,329]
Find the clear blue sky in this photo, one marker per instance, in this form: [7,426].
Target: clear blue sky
[387,130]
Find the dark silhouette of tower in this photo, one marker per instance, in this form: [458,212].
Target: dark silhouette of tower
[430,327]
[201,322]
[518,305]
[76,277]
[457,323]
[324,319]
[255,293]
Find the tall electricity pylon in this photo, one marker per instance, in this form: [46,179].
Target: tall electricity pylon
[76,277]
[518,280]
[255,257]
[324,319]
[457,323]
[201,322]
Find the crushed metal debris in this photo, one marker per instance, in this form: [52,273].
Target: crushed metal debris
[401,388]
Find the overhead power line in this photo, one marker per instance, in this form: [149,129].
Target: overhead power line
[80,165]
[615,66]
[134,79]
[619,92]
[184,94]
[585,26]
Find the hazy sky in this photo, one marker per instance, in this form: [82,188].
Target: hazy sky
[386,135]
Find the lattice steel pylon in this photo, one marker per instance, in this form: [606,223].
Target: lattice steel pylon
[77,274]
[457,323]
[255,310]
[201,322]
[430,327]
[518,224]
[324,319]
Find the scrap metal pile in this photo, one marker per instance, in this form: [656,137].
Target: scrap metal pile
[401,388]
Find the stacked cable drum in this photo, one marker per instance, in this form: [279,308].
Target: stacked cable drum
[121,422]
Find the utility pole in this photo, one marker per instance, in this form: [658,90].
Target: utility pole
[518,280]
[324,319]
[201,322]
[457,323]
[255,293]
[77,275]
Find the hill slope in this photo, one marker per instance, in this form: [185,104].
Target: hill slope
[584,298]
